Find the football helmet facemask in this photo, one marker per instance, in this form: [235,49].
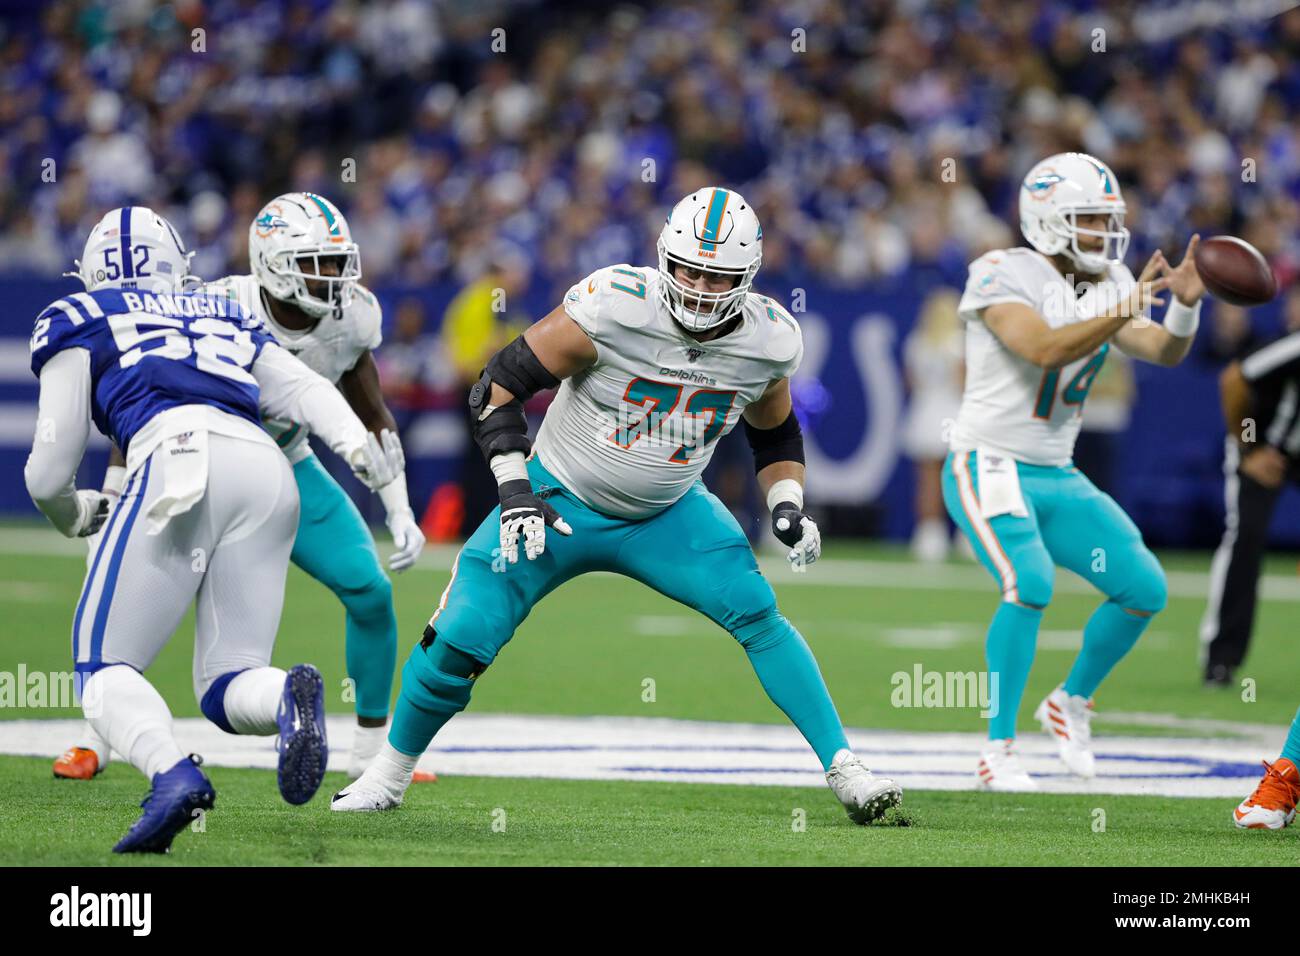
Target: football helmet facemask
[715,231]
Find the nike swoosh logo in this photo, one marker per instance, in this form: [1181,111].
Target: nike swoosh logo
[591,287]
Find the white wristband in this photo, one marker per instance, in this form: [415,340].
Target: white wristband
[114,480]
[1183,320]
[509,467]
[787,489]
[394,496]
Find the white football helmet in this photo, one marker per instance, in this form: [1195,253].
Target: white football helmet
[134,248]
[1056,192]
[288,240]
[714,230]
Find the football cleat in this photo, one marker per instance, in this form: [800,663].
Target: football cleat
[371,791]
[303,748]
[1068,719]
[1272,805]
[1000,769]
[169,807]
[865,796]
[424,776]
[77,763]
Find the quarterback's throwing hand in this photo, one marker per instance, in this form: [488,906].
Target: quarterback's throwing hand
[522,512]
[794,528]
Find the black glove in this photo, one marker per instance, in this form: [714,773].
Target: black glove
[797,531]
[522,511]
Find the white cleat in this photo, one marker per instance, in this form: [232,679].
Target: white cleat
[1000,769]
[1068,719]
[865,796]
[373,790]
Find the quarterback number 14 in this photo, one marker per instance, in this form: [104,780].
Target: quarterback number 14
[1075,391]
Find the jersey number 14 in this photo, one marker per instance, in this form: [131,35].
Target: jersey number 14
[1076,389]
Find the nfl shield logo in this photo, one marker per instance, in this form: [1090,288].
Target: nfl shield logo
[693,354]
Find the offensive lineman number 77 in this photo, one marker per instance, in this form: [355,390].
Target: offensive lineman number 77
[660,399]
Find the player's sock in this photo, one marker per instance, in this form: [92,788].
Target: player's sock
[130,715]
[435,687]
[252,699]
[366,743]
[1012,638]
[788,672]
[89,740]
[1109,634]
[371,645]
[1291,749]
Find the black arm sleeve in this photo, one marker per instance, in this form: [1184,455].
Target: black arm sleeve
[516,369]
[770,445]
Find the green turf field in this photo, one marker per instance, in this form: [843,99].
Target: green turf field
[497,821]
[587,650]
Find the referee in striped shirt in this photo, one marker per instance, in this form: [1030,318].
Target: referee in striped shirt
[1261,405]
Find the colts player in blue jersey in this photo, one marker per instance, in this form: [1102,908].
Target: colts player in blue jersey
[179,382]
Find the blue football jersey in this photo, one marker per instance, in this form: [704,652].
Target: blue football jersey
[150,352]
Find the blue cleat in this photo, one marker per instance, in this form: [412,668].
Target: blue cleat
[302,745]
[169,807]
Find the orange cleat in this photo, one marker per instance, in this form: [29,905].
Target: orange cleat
[424,776]
[1272,805]
[77,763]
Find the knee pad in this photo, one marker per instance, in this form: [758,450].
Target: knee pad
[213,700]
[1033,585]
[762,631]
[438,678]
[1146,590]
[742,600]
[372,601]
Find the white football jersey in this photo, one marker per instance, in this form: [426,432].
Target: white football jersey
[331,348]
[631,434]
[1009,404]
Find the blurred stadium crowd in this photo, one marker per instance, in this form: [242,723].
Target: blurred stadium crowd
[560,154]
[478,145]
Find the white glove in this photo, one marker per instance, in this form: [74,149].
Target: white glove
[794,528]
[380,461]
[92,510]
[408,538]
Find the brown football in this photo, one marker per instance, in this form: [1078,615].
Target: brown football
[1233,270]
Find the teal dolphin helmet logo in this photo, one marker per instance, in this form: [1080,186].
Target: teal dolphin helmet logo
[1040,186]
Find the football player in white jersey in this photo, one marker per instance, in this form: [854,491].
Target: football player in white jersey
[1039,323]
[179,380]
[305,289]
[653,367]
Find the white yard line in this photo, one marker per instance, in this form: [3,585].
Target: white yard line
[661,749]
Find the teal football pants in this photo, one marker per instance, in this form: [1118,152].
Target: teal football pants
[1073,524]
[693,552]
[335,547]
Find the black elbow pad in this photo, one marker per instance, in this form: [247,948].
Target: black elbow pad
[516,369]
[770,445]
